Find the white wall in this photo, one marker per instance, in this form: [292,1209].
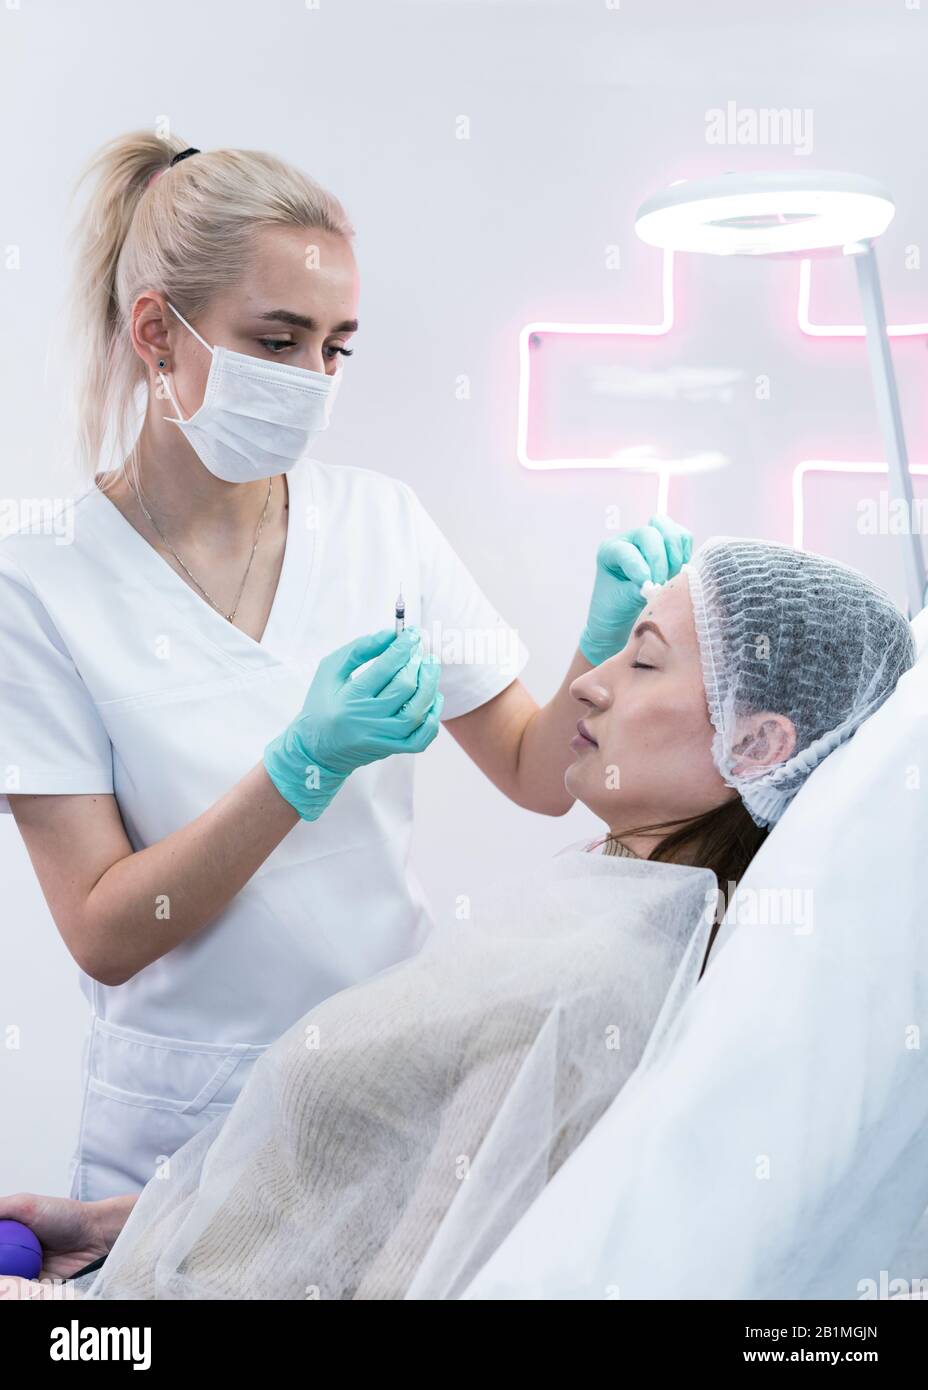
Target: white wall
[578,109]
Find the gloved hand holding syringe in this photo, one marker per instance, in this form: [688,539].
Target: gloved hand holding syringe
[373,697]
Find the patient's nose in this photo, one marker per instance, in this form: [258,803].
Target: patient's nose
[589,690]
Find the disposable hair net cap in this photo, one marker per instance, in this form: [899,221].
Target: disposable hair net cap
[788,632]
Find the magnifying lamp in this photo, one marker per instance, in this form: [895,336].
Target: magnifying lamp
[810,213]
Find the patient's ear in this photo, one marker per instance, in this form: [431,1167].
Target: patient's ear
[764,740]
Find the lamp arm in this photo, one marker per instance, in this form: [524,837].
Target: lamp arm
[890,415]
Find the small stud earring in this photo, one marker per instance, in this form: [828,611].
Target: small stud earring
[160,361]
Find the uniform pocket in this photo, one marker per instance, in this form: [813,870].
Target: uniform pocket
[145,1096]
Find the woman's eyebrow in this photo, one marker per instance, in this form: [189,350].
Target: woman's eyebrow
[648,626]
[301,321]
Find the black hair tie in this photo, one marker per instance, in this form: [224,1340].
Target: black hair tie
[184,154]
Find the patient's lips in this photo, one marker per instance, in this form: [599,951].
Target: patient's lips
[582,739]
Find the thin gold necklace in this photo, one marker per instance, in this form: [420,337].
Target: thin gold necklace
[206,595]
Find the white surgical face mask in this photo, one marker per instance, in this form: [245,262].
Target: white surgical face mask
[257,418]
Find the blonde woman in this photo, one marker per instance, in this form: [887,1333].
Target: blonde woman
[199,702]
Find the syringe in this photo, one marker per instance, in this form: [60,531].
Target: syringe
[400,612]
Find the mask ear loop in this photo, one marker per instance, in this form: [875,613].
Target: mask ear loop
[179,419]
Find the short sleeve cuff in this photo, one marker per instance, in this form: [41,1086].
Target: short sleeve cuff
[56,783]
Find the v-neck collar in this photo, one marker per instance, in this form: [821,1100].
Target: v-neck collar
[283,621]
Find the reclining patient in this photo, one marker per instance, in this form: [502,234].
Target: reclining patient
[385,1145]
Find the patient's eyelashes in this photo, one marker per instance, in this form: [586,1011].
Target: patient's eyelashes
[642,666]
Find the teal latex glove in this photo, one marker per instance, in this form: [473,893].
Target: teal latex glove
[392,706]
[654,552]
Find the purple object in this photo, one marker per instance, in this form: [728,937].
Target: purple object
[20,1251]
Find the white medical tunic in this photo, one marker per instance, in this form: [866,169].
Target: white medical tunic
[117,677]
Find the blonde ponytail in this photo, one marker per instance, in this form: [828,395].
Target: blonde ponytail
[189,234]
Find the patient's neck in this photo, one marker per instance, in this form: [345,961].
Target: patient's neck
[642,846]
[638,845]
